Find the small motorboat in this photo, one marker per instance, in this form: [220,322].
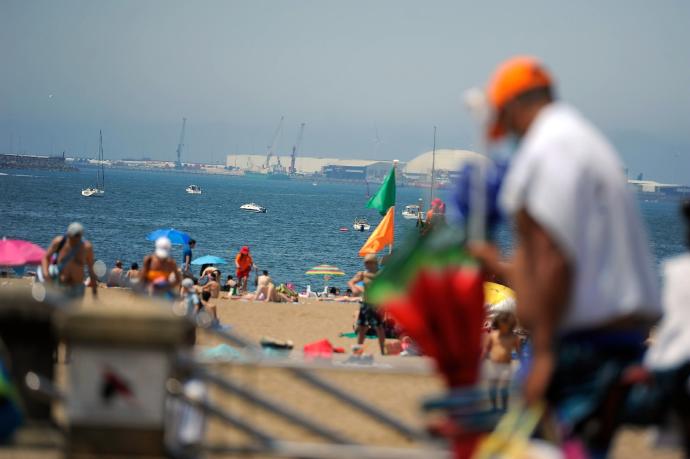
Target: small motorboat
[193,189]
[361,224]
[253,207]
[412,212]
[343,229]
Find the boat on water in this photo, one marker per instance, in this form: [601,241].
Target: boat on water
[361,224]
[253,207]
[343,229]
[97,191]
[93,192]
[412,212]
[193,189]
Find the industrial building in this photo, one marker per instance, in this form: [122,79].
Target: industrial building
[652,189]
[331,168]
[445,162]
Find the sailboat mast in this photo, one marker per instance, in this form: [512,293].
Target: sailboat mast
[100,158]
[433,170]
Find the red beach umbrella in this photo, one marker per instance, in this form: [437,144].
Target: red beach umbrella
[15,252]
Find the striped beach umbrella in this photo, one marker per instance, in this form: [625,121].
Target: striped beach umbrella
[325,270]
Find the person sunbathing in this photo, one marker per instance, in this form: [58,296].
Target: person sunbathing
[347,298]
[266,291]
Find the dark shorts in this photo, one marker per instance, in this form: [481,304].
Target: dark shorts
[368,316]
[588,366]
[73,292]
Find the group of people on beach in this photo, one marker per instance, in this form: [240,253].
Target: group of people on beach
[69,255]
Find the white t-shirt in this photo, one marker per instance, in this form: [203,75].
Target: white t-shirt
[672,340]
[570,180]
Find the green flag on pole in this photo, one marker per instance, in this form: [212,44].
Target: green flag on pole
[384,198]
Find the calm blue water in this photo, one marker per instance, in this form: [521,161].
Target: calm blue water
[299,231]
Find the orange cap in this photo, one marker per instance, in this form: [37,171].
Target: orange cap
[512,78]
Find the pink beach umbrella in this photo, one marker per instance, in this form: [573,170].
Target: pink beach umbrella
[15,252]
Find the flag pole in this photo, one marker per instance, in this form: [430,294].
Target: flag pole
[433,170]
[395,177]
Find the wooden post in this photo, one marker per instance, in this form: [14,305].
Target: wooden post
[122,353]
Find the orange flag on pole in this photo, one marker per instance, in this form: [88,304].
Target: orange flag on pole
[382,235]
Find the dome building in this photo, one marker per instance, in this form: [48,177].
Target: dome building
[446,163]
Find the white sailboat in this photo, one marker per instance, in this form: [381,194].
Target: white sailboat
[97,191]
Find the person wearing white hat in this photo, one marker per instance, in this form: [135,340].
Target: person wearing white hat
[190,298]
[65,260]
[159,273]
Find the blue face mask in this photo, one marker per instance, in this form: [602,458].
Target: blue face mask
[513,142]
[504,150]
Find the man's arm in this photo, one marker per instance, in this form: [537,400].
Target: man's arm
[542,277]
[359,277]
[88,248]
[490,258]
[143,274]
[177,276]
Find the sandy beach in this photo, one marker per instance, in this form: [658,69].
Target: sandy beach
[398,393]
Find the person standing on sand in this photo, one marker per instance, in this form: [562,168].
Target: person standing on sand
[581,267]
[65,260]
[243,264]
[500,344]
[159,274]
[367,316]
[187,259]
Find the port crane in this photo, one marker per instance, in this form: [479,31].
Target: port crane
[178,164]
[272,147]
[295,147]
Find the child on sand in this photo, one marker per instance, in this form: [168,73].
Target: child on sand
[501,343]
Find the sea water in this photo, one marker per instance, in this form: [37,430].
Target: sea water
[300,229]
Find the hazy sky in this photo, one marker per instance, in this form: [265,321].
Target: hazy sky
[347,69]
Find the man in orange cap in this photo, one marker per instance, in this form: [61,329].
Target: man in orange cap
[582,269]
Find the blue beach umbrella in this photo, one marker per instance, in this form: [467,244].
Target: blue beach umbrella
[175,236]
[209,260]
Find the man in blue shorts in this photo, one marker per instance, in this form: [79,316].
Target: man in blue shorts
[368,316]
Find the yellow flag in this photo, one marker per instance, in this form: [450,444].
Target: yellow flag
[382,235]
